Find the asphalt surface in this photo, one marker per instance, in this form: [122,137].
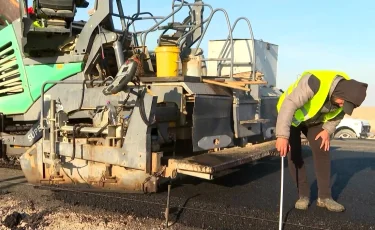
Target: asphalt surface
[249,198]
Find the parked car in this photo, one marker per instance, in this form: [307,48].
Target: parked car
[353,128]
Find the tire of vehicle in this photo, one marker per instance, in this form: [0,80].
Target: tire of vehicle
[345,133]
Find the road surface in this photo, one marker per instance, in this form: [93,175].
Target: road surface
[248,198]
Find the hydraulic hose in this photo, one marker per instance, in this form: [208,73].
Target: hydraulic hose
[142,110]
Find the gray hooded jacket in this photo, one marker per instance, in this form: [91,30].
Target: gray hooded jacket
[307,87]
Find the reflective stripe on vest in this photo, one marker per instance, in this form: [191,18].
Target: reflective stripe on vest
[313,106]
[306,116]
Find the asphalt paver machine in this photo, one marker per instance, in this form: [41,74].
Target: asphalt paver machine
[85,104]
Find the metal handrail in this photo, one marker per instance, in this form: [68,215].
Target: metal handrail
[230,35]
[195,28]
[252,37]
[183,3]
[156,25]
[154,28]
[148,13]
[143,34]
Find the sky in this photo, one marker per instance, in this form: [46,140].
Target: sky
[318,34]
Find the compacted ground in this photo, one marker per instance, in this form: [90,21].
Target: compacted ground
[24,207]
[246,199]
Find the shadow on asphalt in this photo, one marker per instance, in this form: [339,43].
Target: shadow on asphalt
[11,182]
[342,170]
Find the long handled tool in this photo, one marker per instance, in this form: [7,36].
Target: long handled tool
[281,194]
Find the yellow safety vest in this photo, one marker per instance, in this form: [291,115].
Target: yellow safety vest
[312,107]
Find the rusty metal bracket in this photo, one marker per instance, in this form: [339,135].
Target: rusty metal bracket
[150,183]
[104,180]
[106,177]
[53,180]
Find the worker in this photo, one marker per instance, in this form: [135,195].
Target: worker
[314,105]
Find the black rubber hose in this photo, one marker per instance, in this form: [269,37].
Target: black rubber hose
[142,108]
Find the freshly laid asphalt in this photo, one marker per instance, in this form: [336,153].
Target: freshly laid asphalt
[249,198]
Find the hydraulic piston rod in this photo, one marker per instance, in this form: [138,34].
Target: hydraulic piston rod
[83,129]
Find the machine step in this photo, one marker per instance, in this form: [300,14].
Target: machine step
[224,159]
[215,164]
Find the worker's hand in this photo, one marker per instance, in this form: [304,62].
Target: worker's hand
[325,139]
[282,145]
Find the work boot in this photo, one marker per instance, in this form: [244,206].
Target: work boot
[302,203]
[330,204]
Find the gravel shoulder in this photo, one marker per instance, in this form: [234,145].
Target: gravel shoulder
[24,207]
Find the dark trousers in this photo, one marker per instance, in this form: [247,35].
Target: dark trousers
[321,158]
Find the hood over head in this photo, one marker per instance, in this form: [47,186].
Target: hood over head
[352,92]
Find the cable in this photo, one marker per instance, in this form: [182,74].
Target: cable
[142,110]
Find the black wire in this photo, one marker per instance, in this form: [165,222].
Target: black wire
[83,89]
[142,110]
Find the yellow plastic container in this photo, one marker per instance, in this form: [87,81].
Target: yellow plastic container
[167,61]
